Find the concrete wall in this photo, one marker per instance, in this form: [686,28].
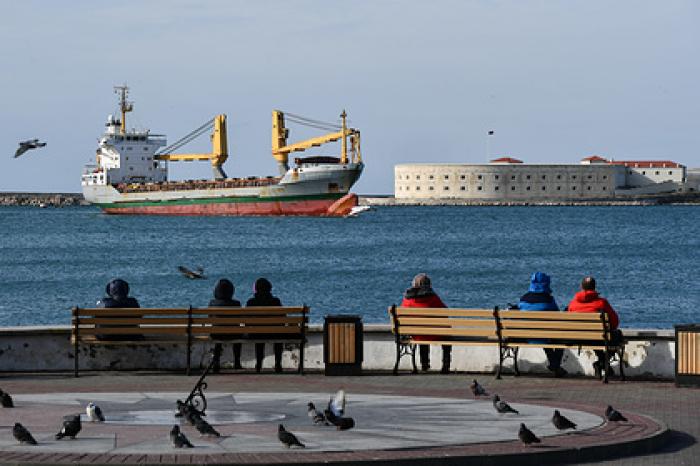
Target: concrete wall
[650,354]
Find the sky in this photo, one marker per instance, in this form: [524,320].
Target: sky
[423,81]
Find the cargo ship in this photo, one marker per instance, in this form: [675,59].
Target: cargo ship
[130,175]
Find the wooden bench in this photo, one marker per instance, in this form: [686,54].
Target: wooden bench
[475,327]
[546,329]
[188,326]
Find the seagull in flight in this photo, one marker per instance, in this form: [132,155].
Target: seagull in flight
[29,144]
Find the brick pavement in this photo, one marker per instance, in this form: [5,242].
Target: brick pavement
[677,407]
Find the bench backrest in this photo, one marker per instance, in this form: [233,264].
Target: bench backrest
[554,326]
[174,322]
[467,323]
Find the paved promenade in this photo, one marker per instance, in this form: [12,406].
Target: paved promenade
[437,425]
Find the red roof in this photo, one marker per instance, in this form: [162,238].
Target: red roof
[506,160]
[595,158]
[647,163]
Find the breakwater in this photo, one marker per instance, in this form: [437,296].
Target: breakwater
[41,199]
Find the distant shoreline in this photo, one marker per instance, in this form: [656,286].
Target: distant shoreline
[688,198]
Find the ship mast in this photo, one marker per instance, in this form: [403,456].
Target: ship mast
[124,106]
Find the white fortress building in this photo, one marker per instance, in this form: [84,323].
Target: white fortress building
[506,179]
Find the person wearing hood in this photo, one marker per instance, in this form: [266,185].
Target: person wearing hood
[262,296]
[588,300]
[223,297]
[421,294]
[539,298]
[117,292]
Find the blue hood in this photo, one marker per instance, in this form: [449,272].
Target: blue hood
[539,283]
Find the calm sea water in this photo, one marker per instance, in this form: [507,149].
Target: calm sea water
[645,258]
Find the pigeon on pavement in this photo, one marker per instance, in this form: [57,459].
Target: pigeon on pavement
[22,435]
[288,438]
[340,422]
[178,439]
[94,413]
[527,436]
[204,427]
[477,389]
[501,406]
[316,416]
[70,428]
[561,422]
[614,415]
[6,400]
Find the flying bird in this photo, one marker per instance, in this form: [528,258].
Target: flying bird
[94,413]
[6,400]
[288,438]
[502,407]
[337,403]
[178,439]
[562,422]
[477,389]
[70,428]
[22,435]
[193,274]
[204,427]
[527,436]
[317,416]
[30,144]
[614,415]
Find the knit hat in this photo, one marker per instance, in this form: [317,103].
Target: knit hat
[117,288]
[224,289]
[262,285]
[421,281]
[539,283]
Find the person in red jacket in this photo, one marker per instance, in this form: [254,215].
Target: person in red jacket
[588,300]
[421,294]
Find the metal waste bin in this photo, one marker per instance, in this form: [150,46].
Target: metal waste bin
[688,355]
[342,345]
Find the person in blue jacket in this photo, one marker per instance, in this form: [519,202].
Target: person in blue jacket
[539,298]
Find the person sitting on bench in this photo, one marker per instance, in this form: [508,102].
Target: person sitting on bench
[117,292]
[262,296]
[223,297]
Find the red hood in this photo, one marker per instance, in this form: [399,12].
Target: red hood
[586,296]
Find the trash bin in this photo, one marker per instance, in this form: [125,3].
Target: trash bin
[342,345]
[688,355]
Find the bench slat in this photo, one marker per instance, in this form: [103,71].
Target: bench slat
[441,311]
[552,335]
[447,322]
[272,320]
[476,332]
[253,310]
[133,331]
[549,315]
[128,311]
[246,329]
[556,324]
[132,321]
[583,345]
[456,342]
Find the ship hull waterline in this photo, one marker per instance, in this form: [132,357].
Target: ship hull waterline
[326,206]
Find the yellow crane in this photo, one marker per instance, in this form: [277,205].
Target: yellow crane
[281,151]
[219,152]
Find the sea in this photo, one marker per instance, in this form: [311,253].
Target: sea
[645,258]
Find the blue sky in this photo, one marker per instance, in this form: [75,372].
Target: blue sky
[423,81]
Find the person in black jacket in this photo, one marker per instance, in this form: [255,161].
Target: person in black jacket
[117,292]
[262,296]
[223,297]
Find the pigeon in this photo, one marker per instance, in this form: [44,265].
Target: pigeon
[22,434]
[288,438]
[340,422]
[477,389]
[24,146]
[6,400]
[70,428]
[204,427]
[561,422]
[501,406]
[191,416]
[527,436]
[94,413]
[337,403]
[178,439]
[317,416]
[614,415]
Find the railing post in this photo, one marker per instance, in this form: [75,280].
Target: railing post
[189,339]
[76,333]
[497,320]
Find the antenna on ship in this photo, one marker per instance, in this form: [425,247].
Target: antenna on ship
[124,105]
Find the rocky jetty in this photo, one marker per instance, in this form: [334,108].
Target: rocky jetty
[42,199]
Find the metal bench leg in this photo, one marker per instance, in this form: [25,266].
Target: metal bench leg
[398,358]
[621,355]
[514,352]
[500,363]
[413,358]
[607,368]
